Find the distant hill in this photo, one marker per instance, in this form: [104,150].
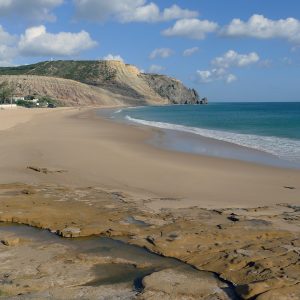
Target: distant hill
[96,82]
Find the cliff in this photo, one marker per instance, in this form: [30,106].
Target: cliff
[171,89]
[96,82]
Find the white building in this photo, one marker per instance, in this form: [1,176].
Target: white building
[35,100]
[18,98]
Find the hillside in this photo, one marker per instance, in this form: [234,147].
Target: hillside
[96,82]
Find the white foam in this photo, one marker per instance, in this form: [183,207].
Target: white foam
[284,148]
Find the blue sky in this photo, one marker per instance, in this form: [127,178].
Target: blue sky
[230,50]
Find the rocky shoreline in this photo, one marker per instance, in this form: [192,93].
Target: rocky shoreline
[256,250]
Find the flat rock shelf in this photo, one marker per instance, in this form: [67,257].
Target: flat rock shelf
[96,267]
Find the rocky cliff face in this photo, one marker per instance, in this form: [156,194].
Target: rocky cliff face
[97,82]
[171,89]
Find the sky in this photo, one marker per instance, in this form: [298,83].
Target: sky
[228,50]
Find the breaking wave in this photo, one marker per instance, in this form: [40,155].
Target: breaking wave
[283,148]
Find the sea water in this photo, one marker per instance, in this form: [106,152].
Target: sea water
[270,128]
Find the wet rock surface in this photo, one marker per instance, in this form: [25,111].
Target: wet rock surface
[257,253]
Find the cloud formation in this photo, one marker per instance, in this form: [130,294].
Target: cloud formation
[191,28]
[161,52]
[36,41]
[261,27]
[40,10]
[7,50]
[214,75]
[6,38]
[222,64]
[113,57]
[126,11]
[190,51]
[234,59]
[7,54]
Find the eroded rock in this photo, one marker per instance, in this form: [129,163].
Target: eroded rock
[11,241]
[183,284]
[259,253]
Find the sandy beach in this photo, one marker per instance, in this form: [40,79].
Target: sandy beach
[76,157]
[13,117]
[95,151]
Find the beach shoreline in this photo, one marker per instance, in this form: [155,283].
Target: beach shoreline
[79,175]
[194,143]
[84,144]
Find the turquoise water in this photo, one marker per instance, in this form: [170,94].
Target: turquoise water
[273,128]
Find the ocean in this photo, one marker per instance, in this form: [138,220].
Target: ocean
[269,129]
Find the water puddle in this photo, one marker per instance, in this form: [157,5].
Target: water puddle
[132,220]
[120,273]
[128,264]
[109,273]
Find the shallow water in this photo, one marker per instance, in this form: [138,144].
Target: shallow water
[132,220]
[267,134]
[110,273]
[120,273]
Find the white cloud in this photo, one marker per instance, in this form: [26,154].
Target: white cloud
[38,42]
[155,69]
[234,59]
[113,57]
[129,11]
[6,38]
[231,78]
[222,64]
[215,74]
[7,54]
[146,13]
[30,9]
[7,49]
[261,27]
[161,52]
[191,28]
[190,51]
[175,12]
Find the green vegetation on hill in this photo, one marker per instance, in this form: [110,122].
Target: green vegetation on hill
[90,72]
[44,101]
[17,70]
[6,92]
